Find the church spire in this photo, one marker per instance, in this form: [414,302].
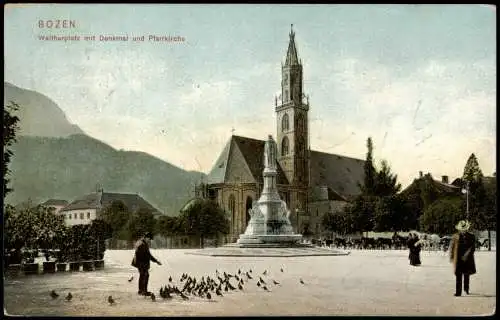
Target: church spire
[291,55]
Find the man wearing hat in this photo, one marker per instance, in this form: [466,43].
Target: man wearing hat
[463,245]
[142,260]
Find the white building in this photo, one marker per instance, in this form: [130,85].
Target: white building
[87,208]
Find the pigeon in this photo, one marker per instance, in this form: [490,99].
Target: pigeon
[265,272]
[153,297]
[183,296]
[237,278]
[240,286]
[281,269]
[53,294]
[275,282]
[239,271]
[218,292]
[262,281]
[248,276]
[302,281]
[170,279]
[265,288]
[69,297]
[209,296]
[258,283]
[250,270]
[130,279]
[111,300]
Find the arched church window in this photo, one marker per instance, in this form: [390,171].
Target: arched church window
[285,145]
[285,123]
[232,206]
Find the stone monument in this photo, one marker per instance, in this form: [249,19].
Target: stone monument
[269,224]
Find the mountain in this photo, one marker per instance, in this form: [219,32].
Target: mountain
[56,164]
[39,115]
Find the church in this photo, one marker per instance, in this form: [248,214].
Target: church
[310,182]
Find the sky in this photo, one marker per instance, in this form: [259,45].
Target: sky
[419,79]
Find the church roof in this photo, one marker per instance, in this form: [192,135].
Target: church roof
[340,173]
[218,172]
[252,151]
[291,55]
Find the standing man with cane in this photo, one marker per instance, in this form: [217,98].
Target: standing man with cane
[142,260]
[463,245]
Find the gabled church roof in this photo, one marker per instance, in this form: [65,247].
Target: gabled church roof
[292,58]
[251,153]
[340,173]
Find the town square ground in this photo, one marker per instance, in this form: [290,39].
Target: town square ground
[365,282]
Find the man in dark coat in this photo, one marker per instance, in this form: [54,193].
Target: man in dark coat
[142,260]
[462,256]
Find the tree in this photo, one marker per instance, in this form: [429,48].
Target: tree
[368,188]
[472,172]
[116,216]
[360,213]
[473,181]
[10,128]
[33,227]
[386,182]
[139,223]
[169,226]
[204,218]
[442,216]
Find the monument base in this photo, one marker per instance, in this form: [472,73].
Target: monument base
[268,250]
[269,241]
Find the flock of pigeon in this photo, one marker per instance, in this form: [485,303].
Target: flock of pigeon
[205,288]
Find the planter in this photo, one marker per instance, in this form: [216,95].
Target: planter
[61,266]
[49,267]
[13,269]
[30,268]
[99,264]
[88,265]
[74,266]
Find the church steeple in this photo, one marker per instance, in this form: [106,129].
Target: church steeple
[291,55]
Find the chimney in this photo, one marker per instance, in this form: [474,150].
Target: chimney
[444,179]
[421,174]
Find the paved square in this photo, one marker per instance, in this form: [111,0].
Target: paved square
[365,282]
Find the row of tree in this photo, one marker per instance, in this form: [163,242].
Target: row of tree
[424,206]
[202,218]
[39,228]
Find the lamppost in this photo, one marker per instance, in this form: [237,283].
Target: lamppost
[297,212]
[466,192]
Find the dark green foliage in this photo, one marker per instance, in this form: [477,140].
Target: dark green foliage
[204,218]
[472,172]
[116,217]
[390,214]
[32,227]
[386,182]
[442,216]
[368,188]
[169,226]
[338,222]
[139,223]
[10,127]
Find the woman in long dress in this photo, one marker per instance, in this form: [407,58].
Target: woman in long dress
[414,246]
